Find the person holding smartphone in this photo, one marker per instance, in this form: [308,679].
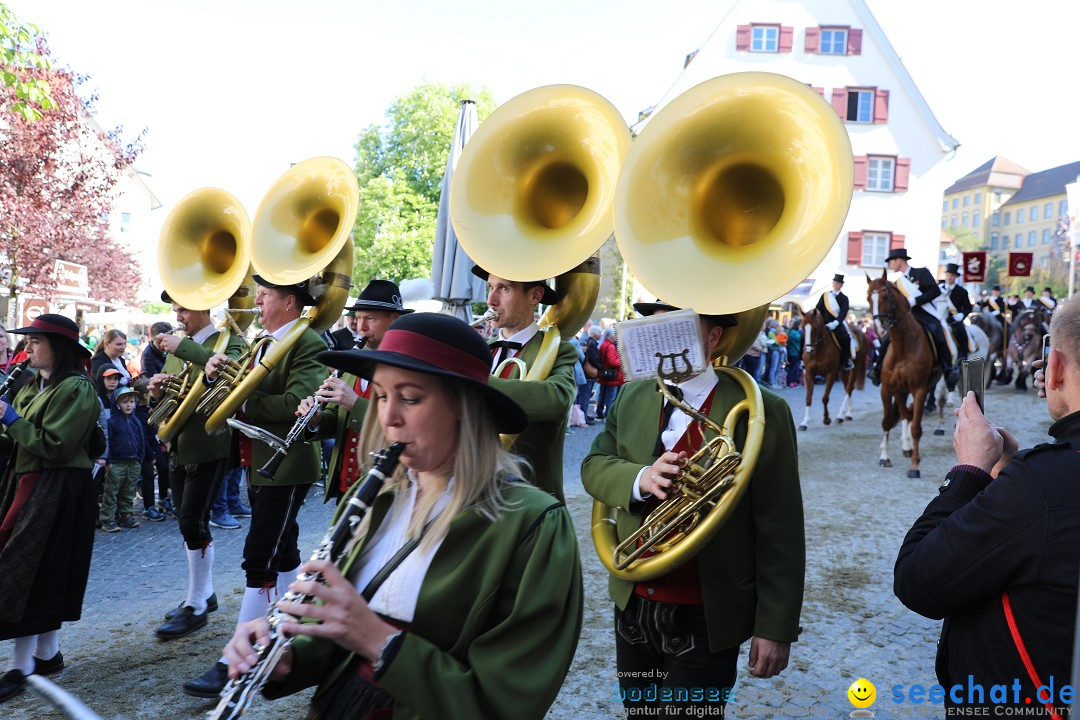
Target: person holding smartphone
[997,552]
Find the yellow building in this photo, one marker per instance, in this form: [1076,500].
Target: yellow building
[972,202]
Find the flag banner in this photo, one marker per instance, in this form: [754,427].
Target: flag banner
[1020,264]
[974,266]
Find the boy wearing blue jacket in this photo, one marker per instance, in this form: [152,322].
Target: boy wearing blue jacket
[123,462]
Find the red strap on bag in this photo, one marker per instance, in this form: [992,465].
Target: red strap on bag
[1024,657]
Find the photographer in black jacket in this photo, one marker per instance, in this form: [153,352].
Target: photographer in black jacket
[1003,538]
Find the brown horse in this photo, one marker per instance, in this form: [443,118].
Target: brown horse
[822,357]
[995,335]
[1025,336]
[908,369]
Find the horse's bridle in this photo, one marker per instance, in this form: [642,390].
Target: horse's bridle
[887,319]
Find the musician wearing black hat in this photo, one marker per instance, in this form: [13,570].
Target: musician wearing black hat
[197,464]
[271,552]
[346,397]
[957,307]
[546,402]
[684,629]
[480,616]
[47,502]
[995,305]
[833,307]
[921,290]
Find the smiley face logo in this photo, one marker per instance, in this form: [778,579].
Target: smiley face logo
[862,693]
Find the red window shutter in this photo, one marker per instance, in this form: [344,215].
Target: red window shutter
[813,40]
[896,241]
[903,171]
[854,41]
[787,38]
[839,102]
[881,106]
[860,171]
[819,90]
[854,248]
[742,37]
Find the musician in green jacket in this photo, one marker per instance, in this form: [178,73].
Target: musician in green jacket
[346,397]
[747,581]
[271,552]
[197,464]
[480,619]
[547,402]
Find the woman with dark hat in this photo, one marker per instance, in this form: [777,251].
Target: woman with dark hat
[47,506]
[481,619]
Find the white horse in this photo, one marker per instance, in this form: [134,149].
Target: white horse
[943,396]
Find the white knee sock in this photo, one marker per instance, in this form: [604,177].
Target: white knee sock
[255,604]
[23,657]
[200,577]
[48,644]
[284,579]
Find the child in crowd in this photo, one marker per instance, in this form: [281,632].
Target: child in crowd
[127,446]
[150,467]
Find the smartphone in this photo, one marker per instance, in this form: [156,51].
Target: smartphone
[1045,355]
[971,379]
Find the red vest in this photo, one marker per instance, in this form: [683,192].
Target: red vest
[681,586]
[350,463]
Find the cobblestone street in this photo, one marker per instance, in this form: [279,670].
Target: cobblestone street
[856,516]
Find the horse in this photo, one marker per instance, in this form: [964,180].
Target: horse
[996,337]
[1025,335]
[821,357]
[982,350]
[909,368]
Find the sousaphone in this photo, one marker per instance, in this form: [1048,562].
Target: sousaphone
[731,195]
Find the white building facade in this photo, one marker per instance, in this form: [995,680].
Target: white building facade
[838,48]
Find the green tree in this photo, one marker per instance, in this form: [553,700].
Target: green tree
[22,47]
[965,239]
[400,167]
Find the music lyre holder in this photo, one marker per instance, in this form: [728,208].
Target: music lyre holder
[676,375]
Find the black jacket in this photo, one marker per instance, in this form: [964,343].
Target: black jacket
[823,308]
[958,298]
[979,537]
[928,287]
[152,361]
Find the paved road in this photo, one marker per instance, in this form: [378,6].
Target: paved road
[856,516]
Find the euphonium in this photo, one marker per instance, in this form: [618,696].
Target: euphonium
[743,182]
[300,231]
[204,259]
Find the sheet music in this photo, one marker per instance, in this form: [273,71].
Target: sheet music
[668,333]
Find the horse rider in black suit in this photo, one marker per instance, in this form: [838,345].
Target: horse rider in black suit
[995,305]
[958,306]
[921,290]
[833,307]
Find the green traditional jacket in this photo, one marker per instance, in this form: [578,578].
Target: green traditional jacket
[193,444]
[547,403]
[272,407]
[54,425]
[752,570]
[496,623]
[329,427]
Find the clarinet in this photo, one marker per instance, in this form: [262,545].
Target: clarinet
[11,379]
[238,694]
[269,470]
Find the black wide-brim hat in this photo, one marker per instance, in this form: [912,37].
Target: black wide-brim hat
[56,326]
[302,290]
[897,254]
[380,295]
[646,309]
[550,297]
[435,344]
[952,268]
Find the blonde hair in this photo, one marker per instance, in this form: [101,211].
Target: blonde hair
[482,469]
[1065,330]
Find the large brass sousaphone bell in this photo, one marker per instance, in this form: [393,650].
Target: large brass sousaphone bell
[204,258]
[532,198]
[301,230]
[732,194]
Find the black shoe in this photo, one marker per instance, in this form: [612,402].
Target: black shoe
[211,606]
[51,666]
[183,623]
[11,684]
[210,683]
